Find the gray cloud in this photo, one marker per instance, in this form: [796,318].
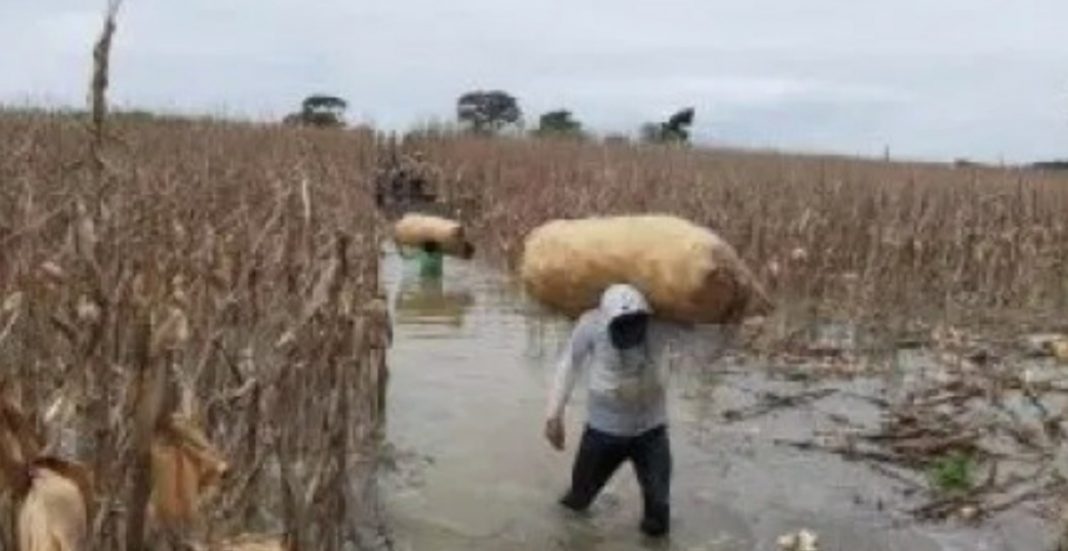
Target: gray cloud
[980,78]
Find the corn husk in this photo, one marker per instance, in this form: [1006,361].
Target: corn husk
[415,229]
[54,514]
[687,272]
[185,467]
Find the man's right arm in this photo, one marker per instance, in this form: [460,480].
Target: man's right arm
[567,369]
[571,361]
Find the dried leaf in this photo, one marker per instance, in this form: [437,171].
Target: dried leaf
[12,303]
[53,272]
[185,467]
[321,293]
[88,310]
[172,332]
[18,437]
[86,233]
[288,338]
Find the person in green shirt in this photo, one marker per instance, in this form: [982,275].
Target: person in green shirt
[430,259]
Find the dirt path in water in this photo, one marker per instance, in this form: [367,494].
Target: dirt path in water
[465,466]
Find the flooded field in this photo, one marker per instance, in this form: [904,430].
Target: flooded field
[467,468]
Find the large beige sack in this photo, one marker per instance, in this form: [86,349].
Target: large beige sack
[687,272]
[415,229]
[53,516]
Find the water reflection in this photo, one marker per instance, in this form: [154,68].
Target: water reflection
[425,299]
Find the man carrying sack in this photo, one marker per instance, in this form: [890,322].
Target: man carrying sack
[690,276]
[627,413]
[431,238]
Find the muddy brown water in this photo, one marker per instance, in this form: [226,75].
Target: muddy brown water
[466,467]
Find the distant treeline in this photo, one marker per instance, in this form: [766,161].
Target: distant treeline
[489,112]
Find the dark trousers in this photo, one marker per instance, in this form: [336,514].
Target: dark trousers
[600,454]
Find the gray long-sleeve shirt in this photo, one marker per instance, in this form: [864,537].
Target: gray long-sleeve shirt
[627,388]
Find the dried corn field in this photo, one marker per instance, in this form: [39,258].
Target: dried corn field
[899,247]
[201,297]
[195,319]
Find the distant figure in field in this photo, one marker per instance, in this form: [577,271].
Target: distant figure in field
[430,259]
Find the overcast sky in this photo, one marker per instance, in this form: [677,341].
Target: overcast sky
[986,79]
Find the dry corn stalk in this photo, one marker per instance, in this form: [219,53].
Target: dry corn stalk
[99,84]
[171,331]
[185,467]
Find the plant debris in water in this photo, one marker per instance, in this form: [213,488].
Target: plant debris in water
[954,473]
[984,429]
